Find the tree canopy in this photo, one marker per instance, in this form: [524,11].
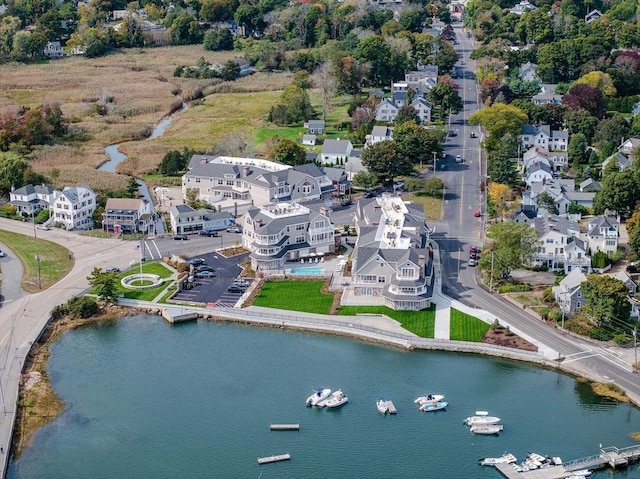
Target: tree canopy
[385,160]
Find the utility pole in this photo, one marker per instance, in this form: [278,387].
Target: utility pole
[491,275]
[435,160]
[562,306]
[33,220]
[37,258]
[635,350]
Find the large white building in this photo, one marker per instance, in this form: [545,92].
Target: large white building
[73,208]
[284,232]
[391,261]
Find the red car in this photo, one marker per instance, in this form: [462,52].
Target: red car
[477,213]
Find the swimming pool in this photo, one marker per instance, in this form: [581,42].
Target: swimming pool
[309,271]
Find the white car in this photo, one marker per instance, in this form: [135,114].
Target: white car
[458,159]
[2,254]
[43,227]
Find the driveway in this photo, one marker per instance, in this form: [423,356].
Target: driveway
[534,278]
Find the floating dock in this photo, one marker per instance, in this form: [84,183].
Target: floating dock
[174,315]
[391,408]
[276,458]
[284,427]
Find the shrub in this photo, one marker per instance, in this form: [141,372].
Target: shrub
[514,288]
[59,311]
[555,315]
[83,307]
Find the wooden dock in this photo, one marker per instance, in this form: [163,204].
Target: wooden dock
[284,427]
[391,408]
[276,458]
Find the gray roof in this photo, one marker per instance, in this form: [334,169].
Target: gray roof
[590,185]
[573,280]
[315,124]
[602,221]
[30,190]
[335,147]
[555,223]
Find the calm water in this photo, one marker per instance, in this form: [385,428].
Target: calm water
[148,400]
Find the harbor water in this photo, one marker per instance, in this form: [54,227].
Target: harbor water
[145,399]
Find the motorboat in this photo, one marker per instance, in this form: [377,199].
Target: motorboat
[486,428]
[319,394]
[537,461]
[334,394]
[507,458]
[381,404]
[434,406]
[481,418]
[337,400]
[429,398]
[580,474]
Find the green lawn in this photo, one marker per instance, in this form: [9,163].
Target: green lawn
[288,132]
[421,323]
[465,327]
[303,296]
[432,206]
[151,267]
[55,260]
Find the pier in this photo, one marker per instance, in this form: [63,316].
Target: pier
[284,427]
[391,407]
[608,456]
[276,458]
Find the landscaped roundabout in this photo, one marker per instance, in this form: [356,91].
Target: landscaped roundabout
[141,281]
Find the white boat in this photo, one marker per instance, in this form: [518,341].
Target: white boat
[481,418]
[337,400]
[580,474]
[507,457]
[536,461]
[324,402]
[486,428]
[433,406]
[318,395]
[381,404]
[429,398]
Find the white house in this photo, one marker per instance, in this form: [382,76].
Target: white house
[53,50]
[528,71]
[568,293]
[538,173]
[556,233]
[603,233]
[282,232]
[30,199]
[126,215]
[592,16]
[73,207]
[335,151]
[547,96]
[391,261]
[186,220]
[523,7]
[555,160]
[379,133]
[623,161]
[629,145]
[543,136]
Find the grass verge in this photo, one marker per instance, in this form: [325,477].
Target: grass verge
[465,327]
[54,263]
[305,296]
[432,206]
[421,323]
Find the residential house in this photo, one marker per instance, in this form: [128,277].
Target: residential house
[635,111]
[379,133]
[523,7]
[73,207]
[387,109]
[603,233]
[30,199]
[538,173]
[568,293]
[629,145]
[561,190]
[127,215]
[525,214]
[592,16]
[590,185]
[186,220]
[554,233]
[543,136]
[314,127]
[53,50]
[576,255]
[539,155]
[309,140]
[339,179]
[230,181]
[626,279]
[392,260]
[282,232]
[423,79]
[335,151]
[547,96]
[528,71]
[623,161]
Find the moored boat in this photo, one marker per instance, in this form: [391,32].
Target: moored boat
[481,418]
[324,402]
[381,404]
[486,428]
[507,457]
[428,398]
[579,474]
[319,394]
[434,406]
[337,400]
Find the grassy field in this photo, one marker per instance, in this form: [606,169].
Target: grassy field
[55,260]
[465,327]
[421,323]
[152,267]
[432,206]
[305,296]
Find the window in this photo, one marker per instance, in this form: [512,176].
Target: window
[300,227]
[382,279]
[318,224]
[407,272]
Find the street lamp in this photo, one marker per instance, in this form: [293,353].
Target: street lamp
[37,257]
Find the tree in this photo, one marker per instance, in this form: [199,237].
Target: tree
[13,170]
[302,79]
[501,196]
[577,148]
[407,113]
[218,40]
[250,18]
[386,161]
[512,245]
[620,192]
[609,134]
[328,87]
[294,107]
[415,143]
[583,96]
[499,119]
[185,30]
[607,299]
[546,201]
[444,95]
[104,283]
[581,121]
[365,179]
[600,80]
[412,19]
[349,74]
[289,152]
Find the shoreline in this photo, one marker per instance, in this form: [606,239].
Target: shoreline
[27,425]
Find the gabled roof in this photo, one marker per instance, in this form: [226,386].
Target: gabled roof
[590,185]
[336,147]
[31,190]
[622,161]
[123,204]
[602,221]
[555,223]
[573,280]
[380,130]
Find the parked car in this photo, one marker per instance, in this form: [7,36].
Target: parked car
[458,158]
[234,288]
[473,250]
[208,233]
[477,213]
[472,262]
[204,274]
[452,133]
[632,268]
[2,254]
[242,282]
[472,134]
[234,229]
[112,269]
[347,202]
[180,237]
[204,267]
[398,185]
[369,194]
[196,261]
[43,227]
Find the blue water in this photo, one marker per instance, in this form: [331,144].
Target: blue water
[311,271]
[145,399]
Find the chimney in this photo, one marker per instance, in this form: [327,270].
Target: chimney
[324,211]
[422,261]
[246,170]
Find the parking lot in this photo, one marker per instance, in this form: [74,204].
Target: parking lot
[214,289]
